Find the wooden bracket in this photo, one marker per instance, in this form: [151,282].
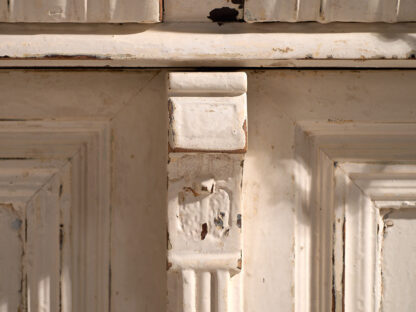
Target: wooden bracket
[207,143]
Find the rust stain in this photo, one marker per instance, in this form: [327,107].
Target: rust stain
[190,189]
[161,10]
[239,264]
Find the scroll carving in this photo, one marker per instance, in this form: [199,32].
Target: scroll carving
[207,142]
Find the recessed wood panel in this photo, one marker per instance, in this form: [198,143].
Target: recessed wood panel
[55,216]
[398,261]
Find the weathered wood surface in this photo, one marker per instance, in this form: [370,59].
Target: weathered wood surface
[133,104]
[150,11]
[77,11]
[207,143]
[55,226]
[330,11]
[211,45]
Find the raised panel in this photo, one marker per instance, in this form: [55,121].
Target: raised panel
[329,11]
[352,193]
[77,11]
[54,177]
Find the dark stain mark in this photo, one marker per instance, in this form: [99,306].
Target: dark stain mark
[61,236]
[239,221]
[242,163]
[239,264]
[335,164]
[61,189]
[8,5]
[223,15]
[219,221]
[168,241]
[204,188]
[168,265]
[239,2]
[227,231]
[411,55]
[16,224]
[204,231]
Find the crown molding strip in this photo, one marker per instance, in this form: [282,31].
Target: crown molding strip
[209,45]
[207,143]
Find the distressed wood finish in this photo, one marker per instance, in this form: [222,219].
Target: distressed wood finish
[203,10]
[210,45]
[207,142]
[80,11]
[325,11]
[351,202]
[368,106]
[54,216]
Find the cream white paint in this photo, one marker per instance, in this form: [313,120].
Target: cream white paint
[207,142]
[76,11]
[208,44]
[213,114]
[330,11]
[62,224]
[133,104]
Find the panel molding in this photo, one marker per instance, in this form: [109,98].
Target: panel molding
[347,172]
[56,176]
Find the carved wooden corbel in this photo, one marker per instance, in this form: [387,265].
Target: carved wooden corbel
[207,143]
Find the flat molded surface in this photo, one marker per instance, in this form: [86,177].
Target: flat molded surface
[209,44]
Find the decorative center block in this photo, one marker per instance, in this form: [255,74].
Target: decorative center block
[207,142]
[204,115]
